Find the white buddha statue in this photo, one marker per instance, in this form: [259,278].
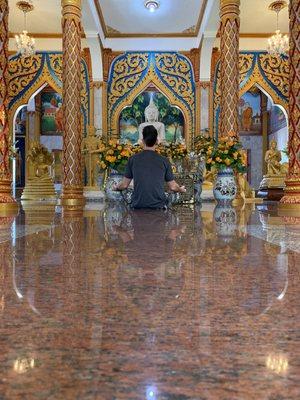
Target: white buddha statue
[151,116]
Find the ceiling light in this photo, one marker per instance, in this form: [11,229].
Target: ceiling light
[278,44]
[151,5]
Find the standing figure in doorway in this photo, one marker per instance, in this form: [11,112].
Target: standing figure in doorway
[247,117]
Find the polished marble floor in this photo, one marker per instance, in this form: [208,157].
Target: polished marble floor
[195,304]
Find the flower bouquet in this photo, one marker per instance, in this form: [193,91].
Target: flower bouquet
[114,155]
[203,145]
[228,153]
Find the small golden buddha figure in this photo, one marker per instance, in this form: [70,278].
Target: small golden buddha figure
[209,178]
[39,161]
[276,171]
[39,183]
[273,158]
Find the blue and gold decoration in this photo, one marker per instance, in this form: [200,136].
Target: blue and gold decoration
[268,72]
[28,75]
[132,72]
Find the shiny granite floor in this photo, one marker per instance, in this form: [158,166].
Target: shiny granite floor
[195,304]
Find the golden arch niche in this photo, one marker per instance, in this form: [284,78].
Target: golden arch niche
[169,115]
[176,86]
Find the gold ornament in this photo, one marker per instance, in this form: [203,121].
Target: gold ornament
[39,185]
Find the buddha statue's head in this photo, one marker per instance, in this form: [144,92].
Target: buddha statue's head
[273,144]
[151,112]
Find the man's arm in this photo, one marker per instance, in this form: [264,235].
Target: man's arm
[173,185]
[123,184]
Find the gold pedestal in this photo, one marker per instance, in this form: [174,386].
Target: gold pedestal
[39,189]
[8,205]
[91,189]
[72,199]
[290,203]
[272,181]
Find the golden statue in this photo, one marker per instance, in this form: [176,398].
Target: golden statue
[273,158]
[39,184]
[209,178]
[276,171]
[90,150]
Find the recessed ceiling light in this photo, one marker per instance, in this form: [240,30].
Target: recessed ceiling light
[151,5]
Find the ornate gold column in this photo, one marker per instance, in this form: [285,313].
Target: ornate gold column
[264,113]
[291,199]
[229,35]
[72,193]
[7,202]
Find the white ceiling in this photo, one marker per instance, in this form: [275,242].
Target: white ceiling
[45,18]
[256,18]
[173,16]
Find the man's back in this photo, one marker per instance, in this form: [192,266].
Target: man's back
[149,171]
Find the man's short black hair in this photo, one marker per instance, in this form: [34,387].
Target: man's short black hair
[150,135]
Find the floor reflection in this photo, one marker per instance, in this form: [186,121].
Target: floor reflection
[122,304]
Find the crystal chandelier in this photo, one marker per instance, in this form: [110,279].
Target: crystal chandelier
[25,44]
[278,44]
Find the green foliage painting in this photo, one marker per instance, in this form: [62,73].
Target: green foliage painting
[51,121]
[132,117]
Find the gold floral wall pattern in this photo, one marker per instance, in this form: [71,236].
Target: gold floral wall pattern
[130,74]
[27,75]
[269,73]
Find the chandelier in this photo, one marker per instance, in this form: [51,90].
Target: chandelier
[278,44]
[151,5]
[25,44]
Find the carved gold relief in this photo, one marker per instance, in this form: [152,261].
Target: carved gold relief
[171,73]
[151,77]
[22,71]
[127,72]
[277,71]
[27,76]
[72,196]
[262,70]
[291,198]
[229,65]
[7,202]
[176,72]
[245,64]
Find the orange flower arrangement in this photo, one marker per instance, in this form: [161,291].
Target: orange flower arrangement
[227,153]
[114,155]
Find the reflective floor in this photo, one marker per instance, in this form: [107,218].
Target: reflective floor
[187,304]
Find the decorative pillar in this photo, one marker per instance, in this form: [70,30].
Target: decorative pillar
[7,202]
[229,34]
[264,113]
[291,199]
[72,193]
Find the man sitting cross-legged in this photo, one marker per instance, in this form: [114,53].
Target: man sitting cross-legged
[149,171]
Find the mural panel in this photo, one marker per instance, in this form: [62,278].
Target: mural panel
[131,117]
[52,116]
[250,113]
[277,119]
[268,72]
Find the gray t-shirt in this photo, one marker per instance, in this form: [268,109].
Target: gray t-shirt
[149,171]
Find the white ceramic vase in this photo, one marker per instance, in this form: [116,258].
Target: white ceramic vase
[225,187]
